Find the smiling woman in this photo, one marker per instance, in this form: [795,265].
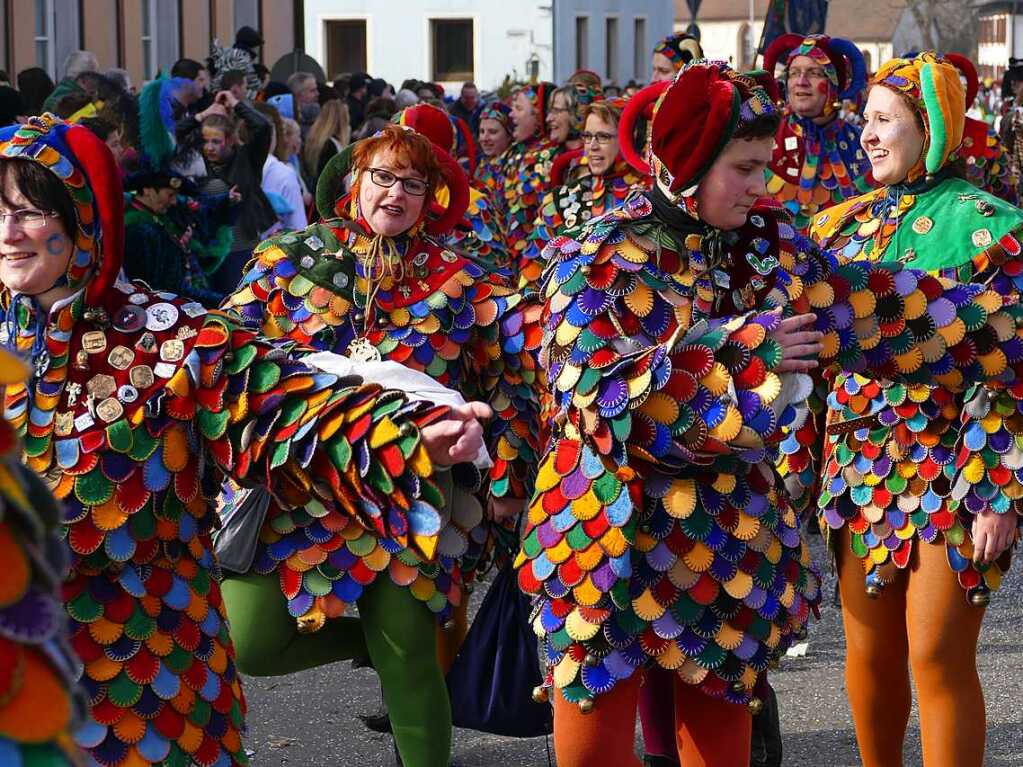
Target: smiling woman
[35,217]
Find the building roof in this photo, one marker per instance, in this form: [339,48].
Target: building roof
[861,20]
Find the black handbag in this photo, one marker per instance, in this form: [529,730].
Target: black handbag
[492,679]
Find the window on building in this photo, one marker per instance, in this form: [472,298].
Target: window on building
[148,42]
[640,55]
[346,46]
[582,42]
[44,36]
[868,60]
[611,47]
[246,14]
[452,50]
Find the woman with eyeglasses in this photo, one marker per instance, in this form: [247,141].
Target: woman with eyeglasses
[139,405]
[587,183]
[373,280]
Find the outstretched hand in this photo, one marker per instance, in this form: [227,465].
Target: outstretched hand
[992,534]
[459,436]
[800,346]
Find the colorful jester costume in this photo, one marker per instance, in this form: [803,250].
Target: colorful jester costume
[906,460]
[987,163]
[141,404]
[38,699]
[479,233]
[817,165]
[659,532]
[337,287]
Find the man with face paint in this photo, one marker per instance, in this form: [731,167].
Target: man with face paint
[817,156]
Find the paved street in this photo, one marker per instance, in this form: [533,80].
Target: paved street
[309,719]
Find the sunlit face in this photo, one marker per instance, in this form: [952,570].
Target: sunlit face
[734,182]
[494,139]
[31,259]
[215,144]
[523,117]
[559,119]
[663,69]
[600,140]
[309,93]
[389,211]
[892,137]
[808,86]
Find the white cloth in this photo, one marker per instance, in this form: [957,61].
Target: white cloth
[280,178]
[393,375]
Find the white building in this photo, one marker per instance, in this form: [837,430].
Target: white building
[999,37]
[450,41]
[730,29]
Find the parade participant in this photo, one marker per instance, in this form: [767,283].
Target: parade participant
[586,183]
[1011,128]
[39,703]
[478,234]
[987,162]
[160,237]
[660,532]
[139,405]
[526,168]
[671,54]
[918,482]
[817,159]
[494,137]
[371,280]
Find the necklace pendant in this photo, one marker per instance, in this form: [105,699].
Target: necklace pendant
[42,363]
[361,350]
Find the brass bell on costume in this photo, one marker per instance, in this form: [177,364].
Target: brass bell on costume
[540,694]
[756,705]
[586,705]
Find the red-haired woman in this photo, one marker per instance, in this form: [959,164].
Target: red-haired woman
[139,406]
[371,280]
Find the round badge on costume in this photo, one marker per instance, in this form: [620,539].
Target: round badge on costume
[161,316]
[127,394]
[923,225]
[130,319]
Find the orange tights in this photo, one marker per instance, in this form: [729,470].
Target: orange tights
[922,622]
[709,732]
[449,641]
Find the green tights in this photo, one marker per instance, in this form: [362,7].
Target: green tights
[394,627]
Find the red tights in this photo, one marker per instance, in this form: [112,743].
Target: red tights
[922,622]
[709,732]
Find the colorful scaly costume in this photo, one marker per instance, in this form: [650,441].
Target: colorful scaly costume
[488,174]
[139,406]
[660,532]
[431,310]
[39,703]
[915,466]
[479,233]
[818,165]
[906,461]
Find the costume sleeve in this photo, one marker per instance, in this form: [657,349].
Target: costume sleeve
[514,432]
[268,419]
[623,411]
[38,699]
[883,320]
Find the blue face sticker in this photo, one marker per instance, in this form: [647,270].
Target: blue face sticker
[56,244]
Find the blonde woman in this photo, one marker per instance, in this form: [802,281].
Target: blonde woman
[331,133]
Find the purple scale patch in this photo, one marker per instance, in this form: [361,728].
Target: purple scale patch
[32,619]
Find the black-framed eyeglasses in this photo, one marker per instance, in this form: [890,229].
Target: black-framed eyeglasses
[27,218]
[384,178]
[601,137]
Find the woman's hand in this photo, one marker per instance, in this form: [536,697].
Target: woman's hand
[992,534]
[797,342]
[459,436]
